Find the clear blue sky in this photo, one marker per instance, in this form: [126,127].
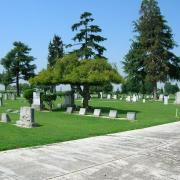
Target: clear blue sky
[34,22]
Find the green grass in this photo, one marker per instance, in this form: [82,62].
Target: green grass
[59,126]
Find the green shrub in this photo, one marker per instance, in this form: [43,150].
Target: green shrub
[49,98]
[28,95]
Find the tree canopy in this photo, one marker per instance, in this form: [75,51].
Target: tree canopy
[150,57]
[69,70]
[18,63]
[87,37]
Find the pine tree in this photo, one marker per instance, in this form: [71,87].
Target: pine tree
[56,51]
[155,41]
[89,47]
[87,37]
[18,63]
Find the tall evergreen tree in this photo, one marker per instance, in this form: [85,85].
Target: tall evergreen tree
[155,41]
[18,63]
[89,46]
[56,50]
[87,37]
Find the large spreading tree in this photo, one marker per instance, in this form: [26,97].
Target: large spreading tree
[150,57]
[85,66]
[18,64]
[87,72]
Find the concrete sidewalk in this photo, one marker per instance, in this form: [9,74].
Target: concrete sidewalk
[147,154]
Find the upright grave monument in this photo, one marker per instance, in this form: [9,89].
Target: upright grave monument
[177,101]
[26,117]
[36,100]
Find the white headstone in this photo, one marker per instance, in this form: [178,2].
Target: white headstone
[75,96]
[144,100]
[101,94]
[131,116]
[134,99]
[5,96]
[26,117]
[113,114]
[5,118]
[128,98]
[109,96]
[82,111]
[166,100]
[161,96]
[69,110]
[177,101]
[115,96]
[97,112]
[36,100]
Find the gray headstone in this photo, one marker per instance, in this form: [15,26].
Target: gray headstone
[69,110]
[36,100]
[5,96]
[177,101]
[113,113]
[161,96]
[134,98]
[5,118]
[165,100]
[109,96]
[97,112]
[26,117]
[82,111]
[13,96]
[101,94]
[67,101]
[131,116]
[75,96]
[128,98]
[115,96]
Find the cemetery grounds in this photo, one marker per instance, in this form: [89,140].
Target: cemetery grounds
[58,126]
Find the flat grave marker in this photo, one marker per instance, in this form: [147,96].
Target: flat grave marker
[113,113]
[97,112]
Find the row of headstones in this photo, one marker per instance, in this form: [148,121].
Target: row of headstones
[6,96]
[26,118]
[97,113]
[134,98]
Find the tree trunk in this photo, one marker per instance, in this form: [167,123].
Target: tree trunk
[85,93]
[86,96]
[72,94]
[155,91]
[17,84]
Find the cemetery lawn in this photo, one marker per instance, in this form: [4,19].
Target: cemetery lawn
[58,126]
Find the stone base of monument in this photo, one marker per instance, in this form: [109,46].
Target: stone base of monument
[26,118]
